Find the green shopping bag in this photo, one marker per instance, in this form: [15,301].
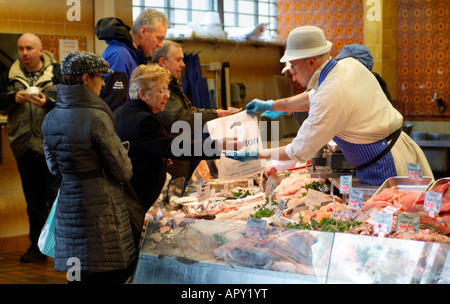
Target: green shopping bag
[46,242]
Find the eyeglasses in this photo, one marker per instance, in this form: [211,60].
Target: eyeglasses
[294,67]
[164,92]
[101,76]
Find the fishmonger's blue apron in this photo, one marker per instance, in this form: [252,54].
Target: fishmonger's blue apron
[360,155]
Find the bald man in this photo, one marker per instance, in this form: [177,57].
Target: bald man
[26,110]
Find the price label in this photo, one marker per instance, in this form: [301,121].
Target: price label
[355,199]
[225,188]
[213,196]
[414,171]
[432,202]
[383,223]
[255,227]
[408,223]
[251,184]
[280,209]
[389,209]
[204,193]
[345,183]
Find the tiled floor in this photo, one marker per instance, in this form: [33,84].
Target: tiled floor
[12,271]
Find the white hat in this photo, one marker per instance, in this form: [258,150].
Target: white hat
[287,67]
[305,42]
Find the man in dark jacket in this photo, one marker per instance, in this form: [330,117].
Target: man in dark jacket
[127,49]
[179,107]
[26,111]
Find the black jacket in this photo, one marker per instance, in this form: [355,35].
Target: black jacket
[92,215]
[179,108]
[150,146]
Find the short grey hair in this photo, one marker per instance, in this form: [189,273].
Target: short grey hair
[149,18]
[144,77]
[164,50]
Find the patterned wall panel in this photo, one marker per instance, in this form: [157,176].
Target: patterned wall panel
[51,43]
[341,20]
[423,58]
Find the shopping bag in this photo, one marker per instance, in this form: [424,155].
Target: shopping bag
[244,127]
[46,242]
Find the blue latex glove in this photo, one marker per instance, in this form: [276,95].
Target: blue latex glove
[258,106]
[273,114]
[244,156]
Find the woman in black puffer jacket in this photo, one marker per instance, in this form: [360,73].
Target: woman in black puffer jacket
[93,214]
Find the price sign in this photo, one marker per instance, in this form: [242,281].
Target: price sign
[213,196]
[408,223]
[204,193]
[255,227]
[389,209]
[280,209]
[345,183]
[251,184]
[355,199]
[225,189]
[383,223]
[432,203]
[414,171]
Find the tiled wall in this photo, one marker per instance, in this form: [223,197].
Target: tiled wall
[423,58]
[409,44]
[341,21]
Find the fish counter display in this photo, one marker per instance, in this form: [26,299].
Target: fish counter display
[309,238]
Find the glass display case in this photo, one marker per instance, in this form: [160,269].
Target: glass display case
[190,251]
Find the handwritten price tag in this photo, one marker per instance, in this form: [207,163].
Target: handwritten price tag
[414,171]
[204,193]
[280,209]
[408,223]
[383,223]
[255,227]
[355,199]
[432,203]
[345,183]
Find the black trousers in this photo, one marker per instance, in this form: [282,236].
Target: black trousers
[40,188]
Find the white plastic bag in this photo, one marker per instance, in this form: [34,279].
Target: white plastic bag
[245,128]
[46,242]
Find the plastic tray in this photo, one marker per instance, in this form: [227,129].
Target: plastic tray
[439,182]
[404,182]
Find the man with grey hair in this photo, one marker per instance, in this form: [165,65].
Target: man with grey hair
[127,49]
[179,107]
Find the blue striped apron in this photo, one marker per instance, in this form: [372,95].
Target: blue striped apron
[359,154]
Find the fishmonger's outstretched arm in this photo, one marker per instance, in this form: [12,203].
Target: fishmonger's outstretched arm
[296,103]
